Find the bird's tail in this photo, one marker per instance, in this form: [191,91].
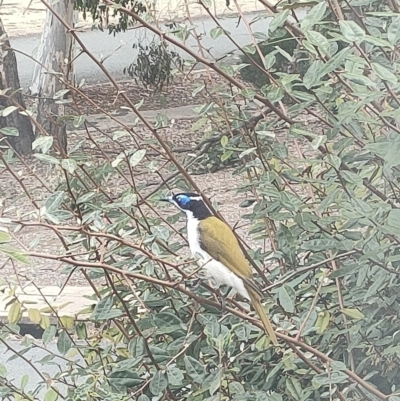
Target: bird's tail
[257,305]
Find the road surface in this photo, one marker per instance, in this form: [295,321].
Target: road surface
[119,53]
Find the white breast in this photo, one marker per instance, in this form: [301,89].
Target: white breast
[213,269]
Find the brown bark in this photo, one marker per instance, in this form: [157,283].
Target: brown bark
[9,79]
[55,54]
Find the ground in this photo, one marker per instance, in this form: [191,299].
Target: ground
[219,186]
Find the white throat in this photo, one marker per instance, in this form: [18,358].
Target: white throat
[192,226]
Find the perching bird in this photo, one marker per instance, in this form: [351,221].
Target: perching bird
[213,241]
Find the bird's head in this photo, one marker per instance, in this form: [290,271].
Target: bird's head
[190,203]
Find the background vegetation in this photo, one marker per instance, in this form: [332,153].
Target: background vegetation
[318,150]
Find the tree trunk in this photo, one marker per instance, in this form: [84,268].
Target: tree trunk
[9,79]
[55,53]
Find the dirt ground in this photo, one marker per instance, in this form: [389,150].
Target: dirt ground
[220,186]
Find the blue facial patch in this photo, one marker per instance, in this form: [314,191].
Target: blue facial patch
[183,199]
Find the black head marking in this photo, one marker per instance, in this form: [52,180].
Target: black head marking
[190,202]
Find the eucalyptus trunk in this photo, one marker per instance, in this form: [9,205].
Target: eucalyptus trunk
[53,71]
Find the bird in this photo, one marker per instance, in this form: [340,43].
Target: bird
[213,241]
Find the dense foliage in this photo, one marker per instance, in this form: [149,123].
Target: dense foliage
[323,168]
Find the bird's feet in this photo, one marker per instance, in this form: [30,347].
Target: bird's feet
[222,303]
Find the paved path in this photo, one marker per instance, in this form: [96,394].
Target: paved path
[21,21]
[102,45]
[17,368]
[72,299]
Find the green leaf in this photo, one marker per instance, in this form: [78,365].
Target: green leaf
[3,370]
[236,388]
[175,376]
[120,134]
[322,321]
[313,74]
[336,61]
[215,382]
[353,313]
[393,32]
[54,201]
[351,177]
[78,121]
[388,150]
[216,31]
[378,42]
[294,387]
[318,40]
[85,197]
[287,297]
[4,237]
[50,395]
[64,342]
[158,383]
[60,94]
[226,155]
[69,165]
[168,323]
[323,379]
[279,20]
[137,346]
[43,142]
[318,141]
[24,381]
[9,131]
[8,110]
[351,31]
[313,16]
[49,334]
[81,331]
[248,93]
[194,369]
[137,157]
[249,49]
[383,73]
[34,315]
[15,254]
[269,60]
[360,79]
[57,216]
[104,311]
[124,378]
[224,141]
[46,158]
[67,322]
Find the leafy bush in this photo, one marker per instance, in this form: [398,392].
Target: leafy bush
[277,50]
[325,232]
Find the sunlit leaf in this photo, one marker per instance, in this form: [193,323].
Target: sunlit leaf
[8,110]
[353,313]
[15,312]
[34,315]
[137,157]
[351,31]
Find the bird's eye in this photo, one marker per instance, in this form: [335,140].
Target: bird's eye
[182,200]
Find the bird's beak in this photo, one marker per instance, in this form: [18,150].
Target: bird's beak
[167,199]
